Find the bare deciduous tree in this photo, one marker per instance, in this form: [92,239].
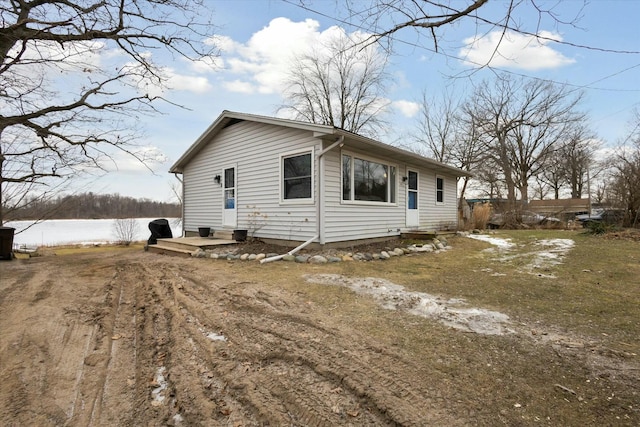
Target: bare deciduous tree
[448,135]
[341,84]
[624,185]
[437,126]
[98,54]
[577,159]
[431,18]
[521,122]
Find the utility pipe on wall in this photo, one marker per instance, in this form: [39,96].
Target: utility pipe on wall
[291,252]
[319,206]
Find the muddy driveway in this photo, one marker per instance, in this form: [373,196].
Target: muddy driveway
[130,338]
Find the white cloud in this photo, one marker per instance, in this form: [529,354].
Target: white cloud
[172,80]
[514,50]
[240,87]
[407,108]
[222,43]
[150,157]
[265,58]
[263,62]
[194,84]
[207,64]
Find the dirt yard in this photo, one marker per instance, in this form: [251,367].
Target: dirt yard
[122,337]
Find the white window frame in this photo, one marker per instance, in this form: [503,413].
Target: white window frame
[305,201]
[352,200]
[443,190]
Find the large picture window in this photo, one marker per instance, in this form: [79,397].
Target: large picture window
[297,177]
[367,180]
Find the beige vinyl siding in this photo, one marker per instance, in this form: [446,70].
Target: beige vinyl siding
[255,149]
[433,215]
[353,221]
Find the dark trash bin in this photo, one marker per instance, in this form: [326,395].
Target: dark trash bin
[204,231]
[6,242]
[160,229]
[240,235]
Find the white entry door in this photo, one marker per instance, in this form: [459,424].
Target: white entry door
[229,205]
[413,212]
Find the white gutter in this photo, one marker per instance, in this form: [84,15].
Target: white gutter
[318,208]
[291,252]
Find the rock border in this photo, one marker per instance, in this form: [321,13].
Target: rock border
[436,245]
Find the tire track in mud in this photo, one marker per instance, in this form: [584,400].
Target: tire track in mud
[283,368]
[150,328]
[26,367]
[97,383]
[114,381]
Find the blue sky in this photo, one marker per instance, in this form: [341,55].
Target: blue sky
[257,37]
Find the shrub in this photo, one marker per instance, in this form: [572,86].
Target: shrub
[480,215]
[597,227]
[125,230]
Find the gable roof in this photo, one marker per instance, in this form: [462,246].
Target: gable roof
[320,131]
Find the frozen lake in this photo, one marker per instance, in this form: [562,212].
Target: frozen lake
[79,231]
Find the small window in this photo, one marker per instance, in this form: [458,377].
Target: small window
[297,177]
[439,190]
[346,177]
[412,190]
[229,188]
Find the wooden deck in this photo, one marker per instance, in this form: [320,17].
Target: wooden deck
[185,246]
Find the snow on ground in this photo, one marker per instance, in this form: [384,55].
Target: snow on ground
[552,253]
[79,231]
[546,253]
[451,312]
[496,241]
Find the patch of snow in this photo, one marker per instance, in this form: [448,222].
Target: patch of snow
[215,337]
[553,254]
[451,312]
[158,392]
[548,253]
[496,241]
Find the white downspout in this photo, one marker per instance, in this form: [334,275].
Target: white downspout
[291,252]
[319,206]
[181,200]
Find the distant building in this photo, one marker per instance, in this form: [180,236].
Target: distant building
[565,209]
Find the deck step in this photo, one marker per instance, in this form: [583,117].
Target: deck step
[223,234]
[419,235]
[185,246]
[156,249]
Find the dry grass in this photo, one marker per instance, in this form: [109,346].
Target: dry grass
[518,379]
[82,249]
[481,215]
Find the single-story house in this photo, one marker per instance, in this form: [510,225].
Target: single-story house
[287,181]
